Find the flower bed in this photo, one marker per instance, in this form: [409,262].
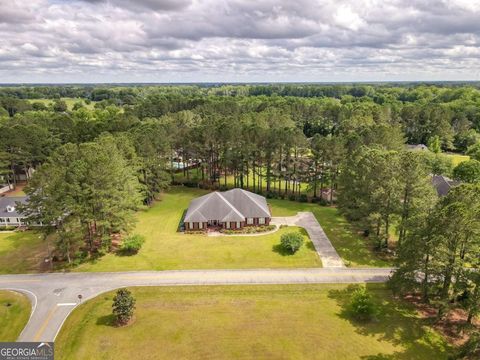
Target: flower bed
[249,230]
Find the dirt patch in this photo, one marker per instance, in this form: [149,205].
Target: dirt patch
[453,326]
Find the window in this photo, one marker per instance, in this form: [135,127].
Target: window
[261,221]
[250,221]
[227,225]
[200,225]
[190,225]
[238,225]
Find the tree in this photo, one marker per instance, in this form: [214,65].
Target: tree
[467,171]
[474,151]
[90,184]
[417,193]
[291,241]
[123,306]
[361,305]
[434,144]
[60,106]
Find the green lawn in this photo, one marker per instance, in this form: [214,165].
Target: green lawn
[165,248]
[354,249]
[248,322]
[21,252]
[14,314]
[69,101]
[457,158]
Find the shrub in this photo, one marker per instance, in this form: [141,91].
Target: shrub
[303,198]
[292,197]
[361,305]
[249,230]
[123,306]
[7,228]
[292,241]
[132,244]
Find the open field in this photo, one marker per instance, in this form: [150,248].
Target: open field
[14,314]
[165,248]
[355,250]
[21,252]
[69,101]
[457,158]
[248,322]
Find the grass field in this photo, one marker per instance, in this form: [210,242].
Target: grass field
[165,248]
[14,314]
[354,249]
[69,101]
[21,252]
[457,158]
[248,322]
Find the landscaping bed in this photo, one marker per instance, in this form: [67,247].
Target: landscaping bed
[249,230]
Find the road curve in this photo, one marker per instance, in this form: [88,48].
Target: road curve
[55,295]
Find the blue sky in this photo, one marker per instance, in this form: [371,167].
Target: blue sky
[238,40]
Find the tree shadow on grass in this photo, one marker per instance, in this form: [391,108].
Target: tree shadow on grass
[279,249]
[396,323]
[107,320]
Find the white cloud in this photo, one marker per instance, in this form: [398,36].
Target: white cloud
[238,40]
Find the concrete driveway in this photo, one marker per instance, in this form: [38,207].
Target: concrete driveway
[55,295]
[325,249]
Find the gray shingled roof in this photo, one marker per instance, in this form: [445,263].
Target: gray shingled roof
[232,205]
[443,184]
[11,202]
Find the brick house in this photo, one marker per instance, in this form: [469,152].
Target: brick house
[231,209]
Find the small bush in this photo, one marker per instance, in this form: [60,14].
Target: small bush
[292,241]
[249,230]
[7,228]
[303,198]
[123,306]
[292,197]
[361,305]
[132,244]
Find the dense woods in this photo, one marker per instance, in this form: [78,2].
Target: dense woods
[116,148]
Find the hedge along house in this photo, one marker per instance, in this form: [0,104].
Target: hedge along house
[231,209]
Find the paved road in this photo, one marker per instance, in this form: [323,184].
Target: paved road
[55,295]
[324,247]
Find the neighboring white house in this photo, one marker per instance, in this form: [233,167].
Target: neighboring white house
[9,214]
[5,187]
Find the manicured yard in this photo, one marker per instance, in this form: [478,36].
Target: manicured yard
[69,101]
[165,248]
[354,249]
[457,158]
[248,322]
[21,252]
[14,313]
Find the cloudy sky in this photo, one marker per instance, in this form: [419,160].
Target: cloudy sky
[238,40]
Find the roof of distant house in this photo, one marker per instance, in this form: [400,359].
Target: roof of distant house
[417,147]
[232,205]
[443,184]
[8,205]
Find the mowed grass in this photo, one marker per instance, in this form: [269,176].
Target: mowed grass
[248,322]
[166,248]
[14,313]
[457,158]
[21,252]
[355,250]
[69,101]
